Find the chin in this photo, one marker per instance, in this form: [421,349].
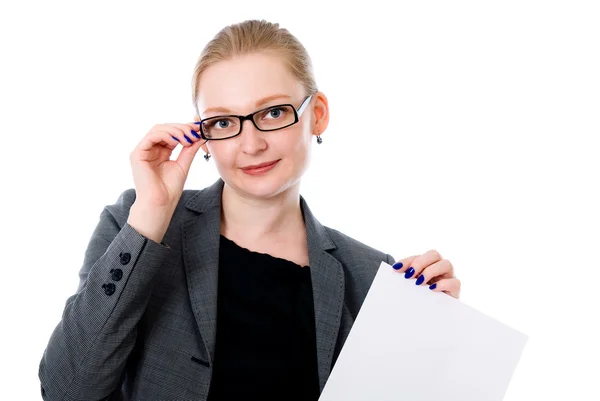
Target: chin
[262,187]
[266,185]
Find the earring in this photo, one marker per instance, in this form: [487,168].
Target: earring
[319,139]
[207,156]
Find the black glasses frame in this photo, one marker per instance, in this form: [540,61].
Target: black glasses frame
[297,114]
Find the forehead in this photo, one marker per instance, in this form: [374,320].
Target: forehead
[237,84]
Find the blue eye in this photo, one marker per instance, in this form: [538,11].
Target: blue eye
[275,112]
[223,123]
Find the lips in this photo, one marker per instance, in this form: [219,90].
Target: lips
[257,166]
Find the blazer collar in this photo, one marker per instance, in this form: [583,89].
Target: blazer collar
[200,239]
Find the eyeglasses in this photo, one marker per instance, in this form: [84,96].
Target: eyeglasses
[272,118]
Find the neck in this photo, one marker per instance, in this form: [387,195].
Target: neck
[257,219]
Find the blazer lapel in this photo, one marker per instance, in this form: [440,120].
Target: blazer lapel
[327,277]
[200,239]
[201,257]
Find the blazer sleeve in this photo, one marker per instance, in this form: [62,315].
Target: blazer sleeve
[87,352]
[389,259]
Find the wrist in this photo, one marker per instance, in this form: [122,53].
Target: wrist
[150,221]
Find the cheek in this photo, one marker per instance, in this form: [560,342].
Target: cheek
[224,157]
[224,151]
[298,143]
[297,153]
[294,150]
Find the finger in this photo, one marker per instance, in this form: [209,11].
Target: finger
[153,138]
[176,133]
[195,131]
[421,262]
[438,278]
[189,134]
[187,155]
[403,264]
[199,128]
[440,268]
[450,286]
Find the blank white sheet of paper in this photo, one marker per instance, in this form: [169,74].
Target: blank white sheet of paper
[411,343]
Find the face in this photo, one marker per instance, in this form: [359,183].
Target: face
[242,86]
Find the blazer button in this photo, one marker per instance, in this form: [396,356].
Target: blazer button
[109,288]
[125,258]
[117,274]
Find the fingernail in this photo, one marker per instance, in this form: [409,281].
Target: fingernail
[432,286]
[197,122]
[195,133]
[409,273]
[420,280]
[175,138]
[397,266]
[188,139]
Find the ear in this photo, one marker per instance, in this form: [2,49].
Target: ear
[320,113]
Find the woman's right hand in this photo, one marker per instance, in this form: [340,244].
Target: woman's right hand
[159,180]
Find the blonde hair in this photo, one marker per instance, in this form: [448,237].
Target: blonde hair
[255,36]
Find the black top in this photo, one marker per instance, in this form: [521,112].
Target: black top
[265,344]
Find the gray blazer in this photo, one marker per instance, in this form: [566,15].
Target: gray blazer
[142,323]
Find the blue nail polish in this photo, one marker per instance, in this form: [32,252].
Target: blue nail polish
[195,133]
[409,273]
[175,138]
[197,122]
[420,280]
[188,139]
[432,287]
[397,266]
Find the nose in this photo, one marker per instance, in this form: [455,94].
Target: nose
[251,139]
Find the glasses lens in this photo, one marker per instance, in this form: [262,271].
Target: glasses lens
[275,117]
[221,127]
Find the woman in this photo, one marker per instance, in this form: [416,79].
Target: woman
[164,262]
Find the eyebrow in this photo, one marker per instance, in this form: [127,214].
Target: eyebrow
[259,103]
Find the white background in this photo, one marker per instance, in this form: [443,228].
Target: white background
[469,127]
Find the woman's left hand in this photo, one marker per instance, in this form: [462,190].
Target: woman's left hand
[430,269]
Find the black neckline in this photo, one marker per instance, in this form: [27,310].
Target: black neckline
[263,255]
